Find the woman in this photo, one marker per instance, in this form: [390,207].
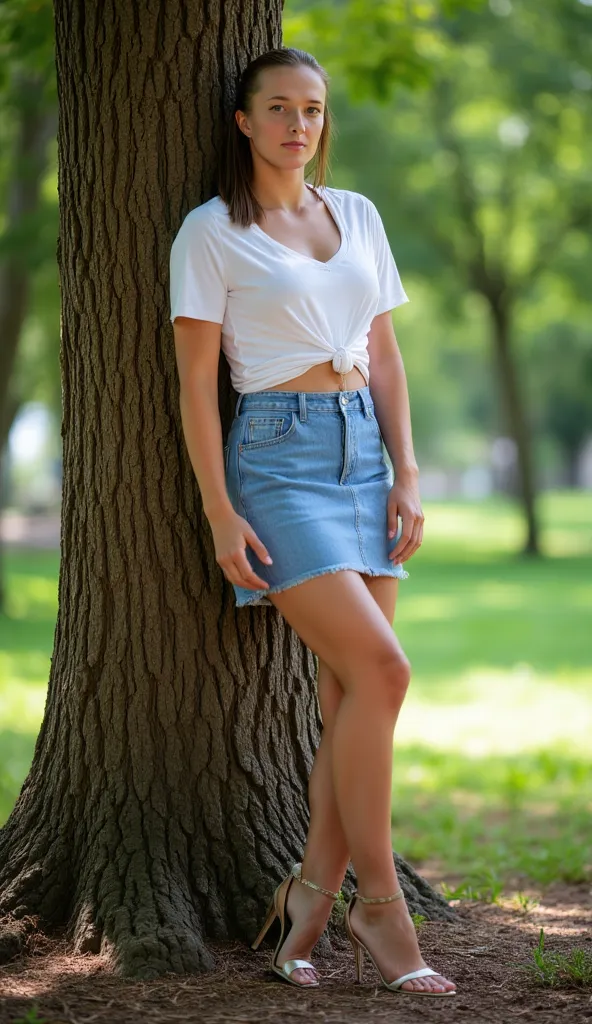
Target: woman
[297,284]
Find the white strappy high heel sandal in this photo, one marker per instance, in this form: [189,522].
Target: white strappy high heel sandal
[277,908]
[359,947]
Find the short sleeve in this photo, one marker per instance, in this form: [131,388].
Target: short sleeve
[197,273]
[392,293]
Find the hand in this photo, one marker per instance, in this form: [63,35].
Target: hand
[231,535]
[403,500]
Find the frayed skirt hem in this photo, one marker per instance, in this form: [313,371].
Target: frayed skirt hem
[258,597]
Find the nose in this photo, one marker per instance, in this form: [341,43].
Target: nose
[298,124]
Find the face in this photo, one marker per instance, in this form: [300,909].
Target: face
[289,106]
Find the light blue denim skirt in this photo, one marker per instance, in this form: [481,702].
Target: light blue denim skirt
[308,473]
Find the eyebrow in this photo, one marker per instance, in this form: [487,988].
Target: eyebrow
[320,102]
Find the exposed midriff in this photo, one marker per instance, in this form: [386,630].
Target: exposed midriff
[322,377]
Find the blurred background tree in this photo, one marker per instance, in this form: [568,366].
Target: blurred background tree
[29,290]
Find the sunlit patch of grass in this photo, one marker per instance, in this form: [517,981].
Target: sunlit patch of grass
[495,818]
[482,711]
[26,638]
[462,530]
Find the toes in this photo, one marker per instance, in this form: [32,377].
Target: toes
[443,984]
[439,983]
[432,984]
[304,976]
[414,985]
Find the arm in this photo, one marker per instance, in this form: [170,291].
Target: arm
[198,302]
[197,350]
[388,387]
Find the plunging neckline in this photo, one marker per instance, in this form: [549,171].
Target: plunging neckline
[338,223]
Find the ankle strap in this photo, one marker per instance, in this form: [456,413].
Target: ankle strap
[296,871]
[398,895]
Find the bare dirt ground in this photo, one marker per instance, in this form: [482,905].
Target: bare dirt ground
[482,951]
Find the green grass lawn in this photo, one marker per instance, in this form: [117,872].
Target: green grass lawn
[492,761]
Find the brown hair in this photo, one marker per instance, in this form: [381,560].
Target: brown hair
[236,166]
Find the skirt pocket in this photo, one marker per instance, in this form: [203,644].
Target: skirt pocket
[259,430]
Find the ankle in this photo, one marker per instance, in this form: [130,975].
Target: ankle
[324,886]
[379,911]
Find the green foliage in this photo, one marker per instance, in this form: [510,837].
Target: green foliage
[485,887]
[374,46]
[31,1017]
[526,903]
[27,44]
[557,970]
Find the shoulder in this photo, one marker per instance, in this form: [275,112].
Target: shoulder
[346,196]
[355,207]
[202,223]
[206,214]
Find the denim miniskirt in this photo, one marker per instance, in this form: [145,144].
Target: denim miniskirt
[308,473]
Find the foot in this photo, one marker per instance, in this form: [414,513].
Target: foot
[389,933]
[309,911]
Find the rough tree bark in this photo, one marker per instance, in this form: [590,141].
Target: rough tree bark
[168,791]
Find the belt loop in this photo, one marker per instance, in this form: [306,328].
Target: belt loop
[302,412]
[239,402]
[365,402]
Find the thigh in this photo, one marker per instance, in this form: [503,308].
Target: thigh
[338,618]
[384,590]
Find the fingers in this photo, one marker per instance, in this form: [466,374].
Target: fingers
[258,547]
[240,572]
[238,569]
[409,541]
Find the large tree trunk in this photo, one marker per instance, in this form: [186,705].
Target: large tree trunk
[168,792]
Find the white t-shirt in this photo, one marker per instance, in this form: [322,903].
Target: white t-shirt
[281,311]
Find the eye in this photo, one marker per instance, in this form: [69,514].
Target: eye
[277,105]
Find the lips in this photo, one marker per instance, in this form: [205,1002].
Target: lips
[293,145]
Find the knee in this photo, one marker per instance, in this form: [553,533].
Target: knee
[394,675]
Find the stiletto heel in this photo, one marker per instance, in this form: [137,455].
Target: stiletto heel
[271,914]
[359,962]
[360,947]
[277,908]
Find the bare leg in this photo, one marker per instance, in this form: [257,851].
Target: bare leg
[336,619]
[326,855]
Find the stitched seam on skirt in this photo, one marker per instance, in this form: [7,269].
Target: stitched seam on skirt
[357,525]
[279,587]
[240,486]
